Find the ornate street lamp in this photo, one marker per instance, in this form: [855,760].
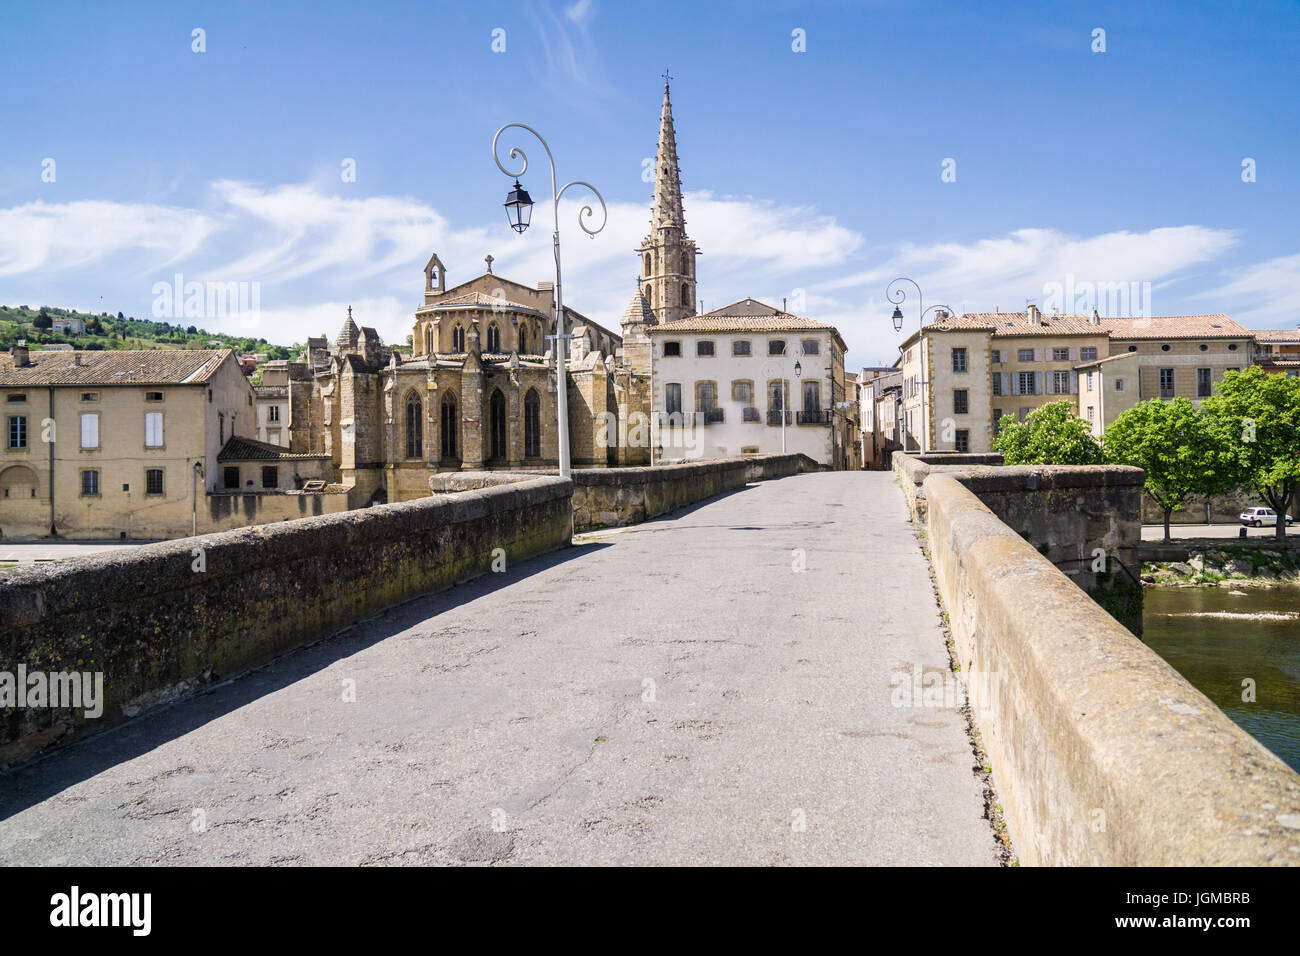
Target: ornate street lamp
[519,206]
[897,299]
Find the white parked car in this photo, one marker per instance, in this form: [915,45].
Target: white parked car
[1255,517]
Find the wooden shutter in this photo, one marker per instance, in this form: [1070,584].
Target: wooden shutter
[1038,383]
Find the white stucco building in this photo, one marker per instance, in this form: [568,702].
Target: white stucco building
[747,379]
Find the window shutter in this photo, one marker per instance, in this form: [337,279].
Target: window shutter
[89,431]
[1074,355]
[1015,383]
[1074,382]
[1038,383]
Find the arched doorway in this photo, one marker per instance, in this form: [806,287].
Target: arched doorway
[18,483]
[497,418]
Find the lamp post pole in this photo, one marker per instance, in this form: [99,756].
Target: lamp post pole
[920,339]
[519,211]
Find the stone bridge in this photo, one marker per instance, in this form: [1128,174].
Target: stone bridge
[762,677]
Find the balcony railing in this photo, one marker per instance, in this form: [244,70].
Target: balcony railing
[774,417]
[817,417]
[750,414]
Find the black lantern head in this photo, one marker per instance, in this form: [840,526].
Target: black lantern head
[898,319]
[519,208]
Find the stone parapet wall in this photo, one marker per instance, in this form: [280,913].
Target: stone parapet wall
[159,617]
[1102,754]
[610,497]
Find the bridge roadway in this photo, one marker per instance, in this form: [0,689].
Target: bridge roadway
[672,693]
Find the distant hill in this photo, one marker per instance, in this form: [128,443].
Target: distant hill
[116,332]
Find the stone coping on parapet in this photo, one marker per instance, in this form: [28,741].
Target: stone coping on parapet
[453,482]
[1101,752]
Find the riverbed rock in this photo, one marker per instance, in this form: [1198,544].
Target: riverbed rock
[1181,568]
[1197,561]
[1237,568]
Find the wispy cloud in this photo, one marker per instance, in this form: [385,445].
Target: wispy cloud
[1268,293]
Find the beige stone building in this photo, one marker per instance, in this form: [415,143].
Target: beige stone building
[1277,351]
[962,374]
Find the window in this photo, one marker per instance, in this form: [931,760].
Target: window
[497,424]
[90,431]
[1092,414]
[960,401]
[153,396]
[963,440]
[1202,382]
[458,339]
[532,424]
[230,476]
[153,481]
[1164,348]
[706,396]
[414,427]
[686,263]
[704,349]
[1132,348]
[221,428]
[778,394]
[1088,353]
[1237,369]
[273,413]
[742,392]
[523,339]
[90,482]
[1061,383]
[997,421]
[1090,381]
[1119,385]
[740,347]
[1023,413]
[686,295]
[997,356]
[1025,355]
[959,360]
[1061,355]
[647,263]
[811,347]
[672,349]
[449,424]
[16,398]
[1166,383]
[17,431]
[1203,347]
[1026,382]
[673,398]
[1232,346]
[270,476]
[812,396]
[153,430]
[90,396]
[273,437]
[493,338]
[776,347]
[997,383]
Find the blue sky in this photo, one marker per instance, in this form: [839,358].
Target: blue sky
[810,175]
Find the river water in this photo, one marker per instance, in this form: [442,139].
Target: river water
[1217,638]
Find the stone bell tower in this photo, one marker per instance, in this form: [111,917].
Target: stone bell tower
[667,255]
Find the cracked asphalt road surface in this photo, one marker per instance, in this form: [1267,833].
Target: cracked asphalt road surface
[673,693]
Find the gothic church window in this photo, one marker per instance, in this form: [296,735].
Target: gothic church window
[458,339]
[497,409]
[450,424]
[493,338]
[523,339]
[686,295]
[414,427]
[532,424]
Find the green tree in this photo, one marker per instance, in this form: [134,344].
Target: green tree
[1052,435]
[43,320]
[1255,417]
[1173,443]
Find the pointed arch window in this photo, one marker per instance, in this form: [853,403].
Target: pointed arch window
[450,426]
[523,339]
[414,427]
[686,295]
[647,265]
[493,338]
[458,339]
[497,418]
[532,424]
[428,340]
[686,263]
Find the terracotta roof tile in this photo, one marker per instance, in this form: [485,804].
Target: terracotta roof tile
[147,367]
[248,449]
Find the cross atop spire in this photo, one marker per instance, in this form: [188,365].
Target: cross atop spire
[667,77]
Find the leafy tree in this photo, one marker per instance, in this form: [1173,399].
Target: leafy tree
[1173,442]
[1052,434]
[43,320]
[1255,417]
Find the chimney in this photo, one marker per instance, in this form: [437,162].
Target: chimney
[19,352]
[1033,314]
[76,358]
[1096,319]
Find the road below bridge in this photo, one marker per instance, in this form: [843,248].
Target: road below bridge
[709,688]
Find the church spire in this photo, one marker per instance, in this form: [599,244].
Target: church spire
[668,176]
[667,254]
